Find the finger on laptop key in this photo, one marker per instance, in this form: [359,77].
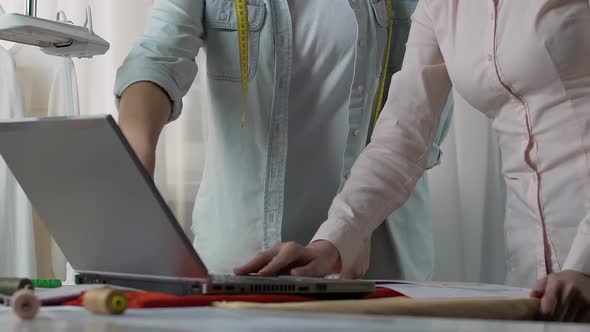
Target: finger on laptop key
[258,262]
[105,301]
[25,304]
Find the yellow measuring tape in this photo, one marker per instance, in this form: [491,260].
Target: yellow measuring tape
[243,39]
[383,79]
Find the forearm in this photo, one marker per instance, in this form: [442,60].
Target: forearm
[143,112]
[165,55]
[386,173]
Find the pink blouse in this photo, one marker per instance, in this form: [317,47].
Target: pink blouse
[526,65]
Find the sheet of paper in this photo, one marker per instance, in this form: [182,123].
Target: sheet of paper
[442,290]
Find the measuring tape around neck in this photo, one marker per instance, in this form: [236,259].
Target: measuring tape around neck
[241,7]
[383,79]
[244,45]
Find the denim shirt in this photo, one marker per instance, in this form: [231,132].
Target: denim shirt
[239,208]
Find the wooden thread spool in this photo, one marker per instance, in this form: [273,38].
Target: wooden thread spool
[9,286]
[105,301]
[25,304]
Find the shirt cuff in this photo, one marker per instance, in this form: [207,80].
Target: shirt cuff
[348,243]
[146,71]
[578,258]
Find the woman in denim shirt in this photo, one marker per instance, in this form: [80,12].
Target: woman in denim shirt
[314,72]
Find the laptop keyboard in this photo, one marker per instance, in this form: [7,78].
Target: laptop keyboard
[256,279]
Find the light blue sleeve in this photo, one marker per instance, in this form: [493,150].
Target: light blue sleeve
[166,54]
[443,128]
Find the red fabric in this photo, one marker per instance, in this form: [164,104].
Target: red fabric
[382,292]
[139,300]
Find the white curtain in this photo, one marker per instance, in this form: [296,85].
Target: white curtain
[468,201]
[467,191]
[15,210]
[181,150]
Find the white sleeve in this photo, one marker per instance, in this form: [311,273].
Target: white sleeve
[386,172]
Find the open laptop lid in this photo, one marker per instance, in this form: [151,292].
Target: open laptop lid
[96,198]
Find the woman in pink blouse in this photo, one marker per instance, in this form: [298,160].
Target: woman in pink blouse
[526,65]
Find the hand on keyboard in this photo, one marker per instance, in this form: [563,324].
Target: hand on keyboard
[319,259]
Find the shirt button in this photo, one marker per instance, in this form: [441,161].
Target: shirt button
[223,16]
[360,88]
[359,43]
[356,132]
[490,57]
[347,175]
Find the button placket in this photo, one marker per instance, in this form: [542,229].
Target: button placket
[276,158]
[347,175]
[360,89]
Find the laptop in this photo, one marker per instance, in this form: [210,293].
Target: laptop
[109,219]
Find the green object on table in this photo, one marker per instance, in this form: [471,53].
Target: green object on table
[47,283]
